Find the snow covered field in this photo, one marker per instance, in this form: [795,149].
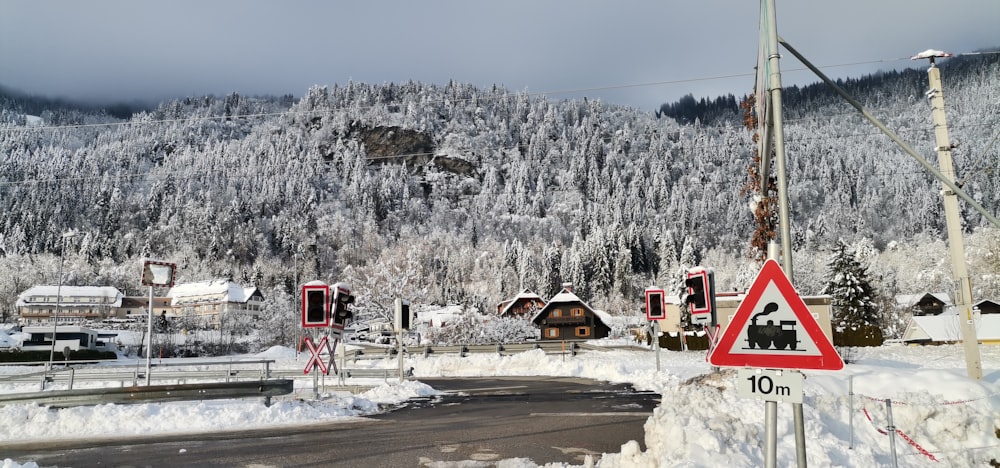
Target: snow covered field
[949,419]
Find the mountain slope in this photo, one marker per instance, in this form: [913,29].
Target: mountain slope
[458,194]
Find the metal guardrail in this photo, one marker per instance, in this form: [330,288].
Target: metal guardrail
[549,347]
[153,393]
[505,349]
[237,380]
[132,373]
[360,373]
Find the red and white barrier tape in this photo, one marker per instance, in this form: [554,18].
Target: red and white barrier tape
[916,446]
[901,434]
[945,403]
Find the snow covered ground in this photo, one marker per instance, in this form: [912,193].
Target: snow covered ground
[947,418]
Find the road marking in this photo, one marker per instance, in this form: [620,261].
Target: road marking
[593,414]
[487,389]
[448,448]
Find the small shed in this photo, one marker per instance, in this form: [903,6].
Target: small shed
[567,317]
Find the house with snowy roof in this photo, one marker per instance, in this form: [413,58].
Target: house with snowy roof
[567,317]
[67,304]
[924,303]
[987,306]
[525,304]
[946,327]
[211,299]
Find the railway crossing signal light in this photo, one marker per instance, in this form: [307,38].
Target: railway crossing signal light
[654,304]
[315,305]
[342,299]
[696,292]
[700,284]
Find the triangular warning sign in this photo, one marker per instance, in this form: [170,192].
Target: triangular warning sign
[773,329]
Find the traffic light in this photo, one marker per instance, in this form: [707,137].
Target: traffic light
[654,304]
[342,298]
[315,305]
[700,284]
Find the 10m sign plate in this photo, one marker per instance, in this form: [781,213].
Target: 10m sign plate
[769,385]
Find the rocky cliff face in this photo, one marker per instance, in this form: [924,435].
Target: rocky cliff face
[396,145]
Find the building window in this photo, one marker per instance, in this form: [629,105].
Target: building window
[576,312]
[552,333]
[556,313]
[582,332]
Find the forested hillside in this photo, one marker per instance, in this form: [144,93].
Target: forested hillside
[456,194]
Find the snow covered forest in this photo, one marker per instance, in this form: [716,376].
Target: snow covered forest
[452,194]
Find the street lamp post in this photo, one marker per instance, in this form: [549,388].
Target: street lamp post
[55,317]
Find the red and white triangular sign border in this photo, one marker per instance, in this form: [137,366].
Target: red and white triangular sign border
[726,352]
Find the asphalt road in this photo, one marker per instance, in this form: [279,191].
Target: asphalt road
[545,419]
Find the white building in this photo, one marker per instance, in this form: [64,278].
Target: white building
[210,299]
[70,304]
[73,337]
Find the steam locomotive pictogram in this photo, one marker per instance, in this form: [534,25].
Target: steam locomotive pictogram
[781,336]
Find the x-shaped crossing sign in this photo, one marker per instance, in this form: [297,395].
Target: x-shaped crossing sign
[315,359]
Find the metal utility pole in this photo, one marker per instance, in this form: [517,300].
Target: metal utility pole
[773,114]
[963,293]
[774,135]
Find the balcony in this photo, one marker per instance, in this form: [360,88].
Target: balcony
[578,320]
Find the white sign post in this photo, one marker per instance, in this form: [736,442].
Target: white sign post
[155,273]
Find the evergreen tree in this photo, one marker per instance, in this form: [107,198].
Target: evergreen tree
[855,315]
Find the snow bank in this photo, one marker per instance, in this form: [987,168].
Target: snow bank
[701,421]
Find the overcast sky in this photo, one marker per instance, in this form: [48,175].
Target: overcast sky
[634,52]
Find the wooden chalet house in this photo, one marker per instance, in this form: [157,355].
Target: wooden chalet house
[923,304]
[987,306]
[525,304]
[567,317]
